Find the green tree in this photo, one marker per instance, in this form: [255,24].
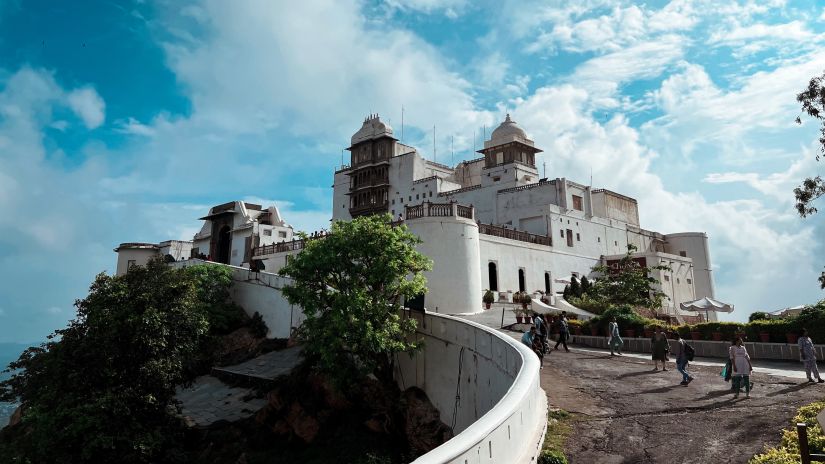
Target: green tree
[629,283]
[351,285]
[758,316]
[567,293]
[575,288]
[812,188]
[586,286]
[99,389]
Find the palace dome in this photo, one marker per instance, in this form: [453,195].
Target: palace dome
[507,129]
[372,128]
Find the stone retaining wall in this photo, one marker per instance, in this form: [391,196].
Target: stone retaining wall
[501,413]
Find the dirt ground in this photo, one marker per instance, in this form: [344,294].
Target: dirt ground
[624,412]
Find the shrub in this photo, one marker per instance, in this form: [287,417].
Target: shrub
[488,297]
[257,325]
[776,328]
[813,319]
[552,457]
[589,303]
[728,329]
[788,449]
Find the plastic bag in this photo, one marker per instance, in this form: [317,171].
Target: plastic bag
[724,372]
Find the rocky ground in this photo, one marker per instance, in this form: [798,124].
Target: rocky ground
[624,412]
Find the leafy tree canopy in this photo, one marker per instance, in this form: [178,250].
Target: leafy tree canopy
[98,390]
[628,283]
[351,285]
[812,100]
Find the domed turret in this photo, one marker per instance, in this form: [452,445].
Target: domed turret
[507,131]
[508,128]
[372,128]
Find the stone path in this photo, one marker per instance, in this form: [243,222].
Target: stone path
[210,400]
[268,366]
[624,412]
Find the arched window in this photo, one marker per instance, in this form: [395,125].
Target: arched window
[491,269]
[521,285]
[547,283]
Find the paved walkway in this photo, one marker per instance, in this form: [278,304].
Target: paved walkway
[209,400]
[625,412]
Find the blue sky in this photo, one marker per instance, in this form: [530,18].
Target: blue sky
[124,120]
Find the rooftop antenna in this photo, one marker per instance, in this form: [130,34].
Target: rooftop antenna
[591,176]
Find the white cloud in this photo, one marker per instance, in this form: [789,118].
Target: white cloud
[135,127]
[451,8]
[88,105]
[352,68]
[603,75]
[778,185]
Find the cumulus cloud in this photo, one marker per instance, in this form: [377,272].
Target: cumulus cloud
[88,105]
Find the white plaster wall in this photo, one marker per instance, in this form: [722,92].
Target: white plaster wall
[340,199]
[179,249]
[695,244]
[261,292]
[454,283]
[502,411]
[141,256]
[511,255]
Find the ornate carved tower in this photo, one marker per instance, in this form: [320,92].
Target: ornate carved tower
[371,149]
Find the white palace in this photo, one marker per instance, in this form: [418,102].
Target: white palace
[488,223]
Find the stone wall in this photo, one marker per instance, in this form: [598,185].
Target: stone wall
[501,413]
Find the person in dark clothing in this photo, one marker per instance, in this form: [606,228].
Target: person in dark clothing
[564,331]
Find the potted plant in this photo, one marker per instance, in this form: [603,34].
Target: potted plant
[793,338]
[519,316]
[488,298]
[528,316]
[765,337]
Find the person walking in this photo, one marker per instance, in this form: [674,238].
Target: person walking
[659,347]
[564,330]
[541,330]
[615,343]
[533,341]
[740,361]
[807,355]
[684,354]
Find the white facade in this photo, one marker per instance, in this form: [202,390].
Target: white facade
[577,226]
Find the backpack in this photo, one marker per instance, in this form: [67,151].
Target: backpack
[689,352]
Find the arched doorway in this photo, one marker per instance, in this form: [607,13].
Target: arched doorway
[493,274]
[521,284]
[224,245]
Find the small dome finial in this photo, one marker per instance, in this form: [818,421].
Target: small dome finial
[507,119]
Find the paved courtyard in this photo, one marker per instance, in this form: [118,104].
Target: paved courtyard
[624,412]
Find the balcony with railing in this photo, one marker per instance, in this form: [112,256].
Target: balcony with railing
[512,234]
[451,209]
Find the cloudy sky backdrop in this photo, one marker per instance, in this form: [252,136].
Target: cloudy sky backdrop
[124,120]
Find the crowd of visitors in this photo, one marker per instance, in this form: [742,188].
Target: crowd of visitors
[737,369]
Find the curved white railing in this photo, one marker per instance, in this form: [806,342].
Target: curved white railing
[501,415]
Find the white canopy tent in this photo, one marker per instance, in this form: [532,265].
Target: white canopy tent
[706,304]
[562,305]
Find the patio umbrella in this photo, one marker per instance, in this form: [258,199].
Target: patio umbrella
[706,304]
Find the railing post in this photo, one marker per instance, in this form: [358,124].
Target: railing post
[453,206]
[802,433]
